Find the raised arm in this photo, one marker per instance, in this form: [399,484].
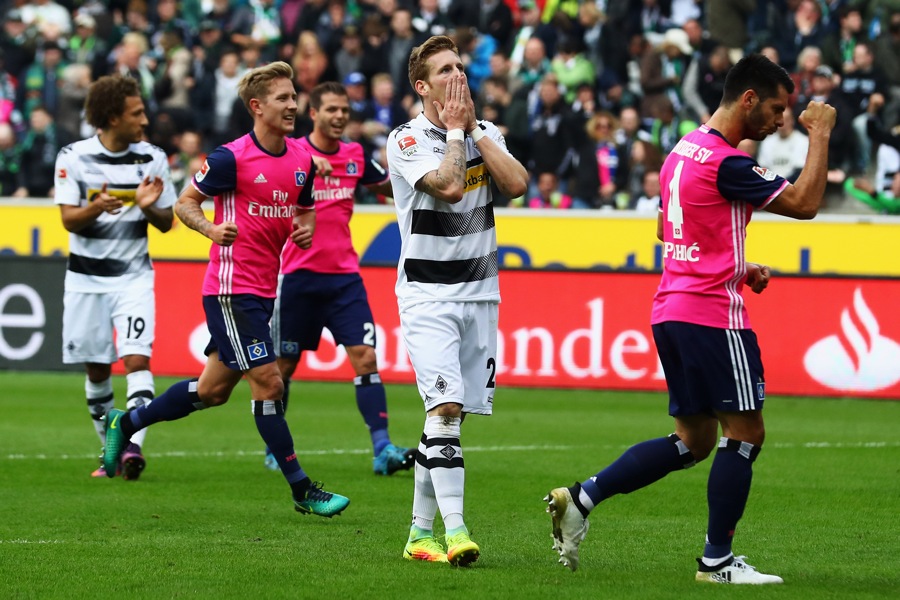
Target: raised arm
[803,199]
[447,182]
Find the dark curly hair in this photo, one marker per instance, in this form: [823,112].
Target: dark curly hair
[106,99]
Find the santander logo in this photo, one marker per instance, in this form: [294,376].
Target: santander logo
[858,358]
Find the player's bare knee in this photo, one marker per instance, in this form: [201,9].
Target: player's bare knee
[449,409]
[363,359]
[136,362]
[97,372]
[287,365]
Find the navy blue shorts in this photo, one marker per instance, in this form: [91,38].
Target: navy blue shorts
[239,326]
[709,369]
[308,302]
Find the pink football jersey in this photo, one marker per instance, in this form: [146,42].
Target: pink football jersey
[332,249]
[709,191]
[258,192]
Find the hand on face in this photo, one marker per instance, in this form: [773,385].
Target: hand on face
[458,110]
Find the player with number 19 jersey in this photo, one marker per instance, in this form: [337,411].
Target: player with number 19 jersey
[708,187]
[258,192]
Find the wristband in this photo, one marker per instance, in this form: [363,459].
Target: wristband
[476,134]
[456,134]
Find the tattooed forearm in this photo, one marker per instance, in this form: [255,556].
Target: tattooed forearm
[456,157]
[191,214]
[448,181]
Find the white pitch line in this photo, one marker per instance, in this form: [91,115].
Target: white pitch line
[301,452]
[362,451]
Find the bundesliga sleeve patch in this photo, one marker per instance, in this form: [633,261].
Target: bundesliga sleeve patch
[61,173]
[765,173]
[408,145]
[201,174]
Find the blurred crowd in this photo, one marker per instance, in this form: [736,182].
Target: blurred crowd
[591,95]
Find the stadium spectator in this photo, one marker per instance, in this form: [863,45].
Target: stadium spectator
[188,155]
[43,79]
[257,23]
[17,44]
[167,21]
[76,80]
[548,194]
[785,152]
[648,200]
[383,111]
[238,301]
[349,58]
[668,127]
[52,21]
[10,163]
[800,27]
[131,60]
[809,59]
[310,63]
[662,71]
[572,69]
[887,59]
[87,47]
[430,19]
[109,289]
[555,132]
[38,150]
[727,23]
[863,84]
[704,83]
[837,45]
[598,176]
[533,67]
[224,95]
[398,48]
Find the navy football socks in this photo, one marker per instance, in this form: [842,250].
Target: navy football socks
[726,493]
[371,400]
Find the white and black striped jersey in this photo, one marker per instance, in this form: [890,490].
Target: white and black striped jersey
[448,251]
[111,253]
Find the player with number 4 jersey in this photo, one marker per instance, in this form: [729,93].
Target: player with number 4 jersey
[710,356]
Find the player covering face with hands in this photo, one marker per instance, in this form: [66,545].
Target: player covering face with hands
[442,166]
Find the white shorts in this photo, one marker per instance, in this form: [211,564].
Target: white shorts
[89,320]
[453,349]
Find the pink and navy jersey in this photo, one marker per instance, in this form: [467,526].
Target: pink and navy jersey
[258,192]
[332,249]
[709,192]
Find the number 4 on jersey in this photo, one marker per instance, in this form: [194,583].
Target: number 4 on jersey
[674,214]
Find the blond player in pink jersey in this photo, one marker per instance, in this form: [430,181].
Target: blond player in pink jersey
[320,286]
[262,187]
[707,349]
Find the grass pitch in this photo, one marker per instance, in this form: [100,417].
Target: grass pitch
[207,521]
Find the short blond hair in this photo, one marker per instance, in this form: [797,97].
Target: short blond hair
[256,82]
[418,58]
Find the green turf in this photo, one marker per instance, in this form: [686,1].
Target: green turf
[206,520]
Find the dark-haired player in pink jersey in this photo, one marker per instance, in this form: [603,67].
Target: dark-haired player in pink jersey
[321,285]
[700,325]
[262,185]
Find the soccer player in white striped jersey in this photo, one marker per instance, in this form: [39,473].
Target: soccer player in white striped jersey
[442,164]
[109,188]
